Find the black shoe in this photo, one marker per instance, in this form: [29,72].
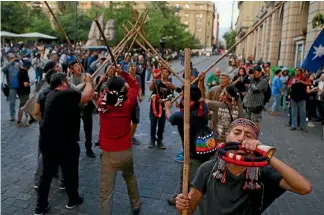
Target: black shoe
[160,145]
[152,144]
[41,211]
[96,143]
[72,204]
[292,129]
[90,153]
[172,200]
[136,210]
[135,141]
[62,185]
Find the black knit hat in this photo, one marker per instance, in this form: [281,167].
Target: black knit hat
[116,84]
[195,93]
[232,91]
[49,65]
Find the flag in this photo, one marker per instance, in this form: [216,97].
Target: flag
[315,57]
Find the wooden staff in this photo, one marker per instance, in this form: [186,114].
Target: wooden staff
[65,35]
[238,42]
[106,42]
[186,126]
[163,62]
[160,60]
[118,49]
[140,27]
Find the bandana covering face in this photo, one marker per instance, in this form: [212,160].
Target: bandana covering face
[245,123]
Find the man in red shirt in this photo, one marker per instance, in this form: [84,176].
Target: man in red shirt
[115,108]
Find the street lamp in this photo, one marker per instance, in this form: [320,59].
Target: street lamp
[162,43]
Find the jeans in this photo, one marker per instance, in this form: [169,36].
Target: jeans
[301,105]
[68,160]
[111,163]
[12,102]
[276,102]
[160,122]
[149,74]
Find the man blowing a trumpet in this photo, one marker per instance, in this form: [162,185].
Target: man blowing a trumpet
[234,189]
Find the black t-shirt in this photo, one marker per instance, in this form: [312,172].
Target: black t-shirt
[61,122]
[41,100]
[298,92]
[230,198]
[23,77]
[196,124]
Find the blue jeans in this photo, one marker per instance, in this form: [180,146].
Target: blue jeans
[276,102]
[149,73]
[12,102]
[301,105]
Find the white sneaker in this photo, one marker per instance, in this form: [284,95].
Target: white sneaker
[311,124]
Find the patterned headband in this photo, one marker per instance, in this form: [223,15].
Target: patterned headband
[245,123]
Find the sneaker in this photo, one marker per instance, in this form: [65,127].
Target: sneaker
[152,144]
[311,124]
[160,145]
[179,159]
[41,211]
[292,129]
[136,210]
[72,204]
[13,119]
[172,200]
[35,186]
[90,153]
[135,141]
[20,124]
[179,153]
[62,186]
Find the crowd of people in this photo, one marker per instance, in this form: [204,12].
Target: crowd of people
[230,111]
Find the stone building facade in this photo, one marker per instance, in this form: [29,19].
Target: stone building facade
[198,15]
[284,38]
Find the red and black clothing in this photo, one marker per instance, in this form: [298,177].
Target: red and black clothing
[114,138]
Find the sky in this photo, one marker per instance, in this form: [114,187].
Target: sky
[224,8]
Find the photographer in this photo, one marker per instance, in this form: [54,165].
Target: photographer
[254,99]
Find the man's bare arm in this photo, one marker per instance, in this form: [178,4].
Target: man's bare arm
[87,93]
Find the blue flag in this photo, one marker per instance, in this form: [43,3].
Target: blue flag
[315,57]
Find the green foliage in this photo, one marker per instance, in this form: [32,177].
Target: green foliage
[15,16]
[161,22]
[229,37]
[318,20]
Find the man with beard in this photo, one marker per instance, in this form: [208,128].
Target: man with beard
[59,136]
[234,190]
[86,109]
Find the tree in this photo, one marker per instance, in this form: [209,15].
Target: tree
[229,37]
[14,16]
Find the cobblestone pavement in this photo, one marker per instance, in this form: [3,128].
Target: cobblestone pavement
[157,172]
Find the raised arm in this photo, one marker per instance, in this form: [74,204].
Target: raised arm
[87,93]
[133,86]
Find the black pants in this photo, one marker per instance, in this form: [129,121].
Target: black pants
[68,160]
[143,82]
[87,124]
[311,106]
[160,122]
[321,110]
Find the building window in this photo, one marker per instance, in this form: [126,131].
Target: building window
[186,5]
[177,5]
[201,7]
[186,15]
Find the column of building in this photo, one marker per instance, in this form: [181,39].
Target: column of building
[275,34]
[314,8]
[291,20]
[267,45]
[263,39]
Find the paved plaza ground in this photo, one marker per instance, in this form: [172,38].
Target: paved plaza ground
[157,171]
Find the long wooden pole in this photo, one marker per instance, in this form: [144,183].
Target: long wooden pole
[186,127]
[238,42]
[65,35]
[164,63]
[106,42]
[160,60]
